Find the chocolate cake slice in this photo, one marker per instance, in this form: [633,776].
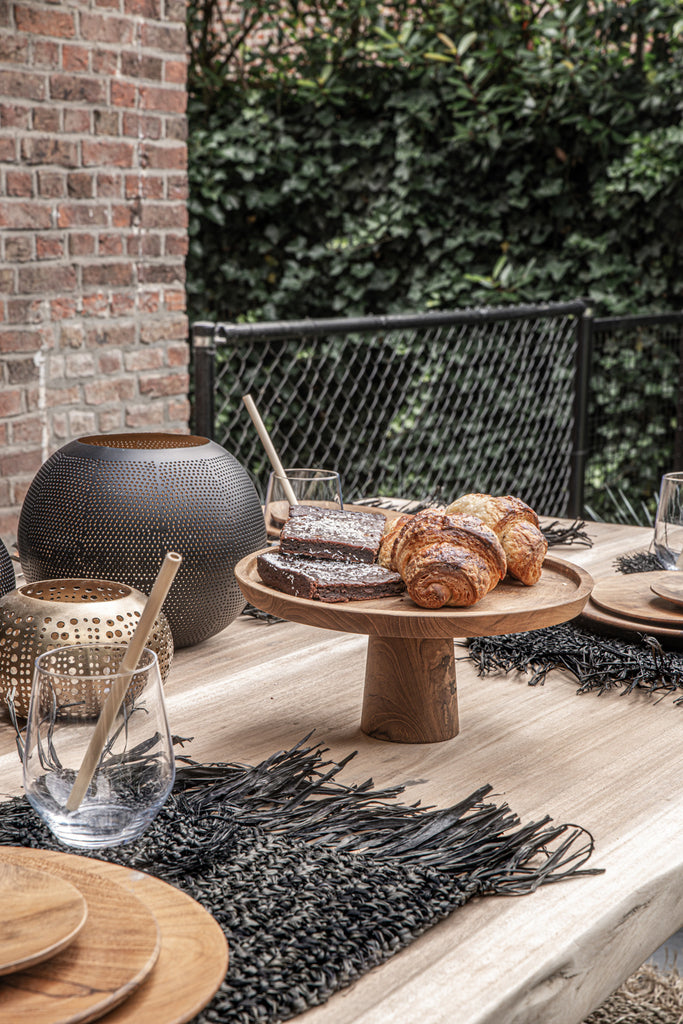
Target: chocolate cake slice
[325,580]
[332,534]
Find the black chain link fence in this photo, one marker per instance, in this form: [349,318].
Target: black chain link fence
[426,405]
[635,425]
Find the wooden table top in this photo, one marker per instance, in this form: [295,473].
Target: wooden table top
[609,763]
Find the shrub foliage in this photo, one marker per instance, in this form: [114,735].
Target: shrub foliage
[350,156]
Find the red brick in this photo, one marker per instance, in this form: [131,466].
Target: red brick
[139,416]
[143,9]
[109,186]
[178,355]
[107,122]
[19,249]
[171,156]
[14,117]
[149,186]
[110,420]
[123,216]
[77,121]
[175,72]
[151,244]
[179,412]
[176,245]
[19,183]
[81,215]
[137,65]
[23,85]
[123,94]
[110,245]
[14,50]
[46,120]
[104,390]
[8,150]
[62,308]
[119,335]
[144,359]
[159,385]
[75,58]
[80,364]
[109,363]
[164,215]
[28,430]
[49,247]
[45,53]
[122,303]
[105,62]
[81,244]
[177,187]
[24,215]
[103,153]
[50,151]
[7,287]
[22,371]
[168,39]
[82,423]
[53,23]
[26,311]
[44,279]
[9,521]
[175,301]
[176,129]
[78,89]
[163,329]
[108,274]
[146,126]
[10,401]
[170,101]
[149,302]
[51,184]
[71,336]
[133,246]
[97,28]
[81,185]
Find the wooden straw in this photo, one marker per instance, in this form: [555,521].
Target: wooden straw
[136,645]
[270,449]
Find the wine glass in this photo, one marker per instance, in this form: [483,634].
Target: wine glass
[135,771]
[668,539]
[310,486]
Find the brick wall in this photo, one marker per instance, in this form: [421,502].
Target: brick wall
[93,186]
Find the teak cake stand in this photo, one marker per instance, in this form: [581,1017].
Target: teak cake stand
[410,686]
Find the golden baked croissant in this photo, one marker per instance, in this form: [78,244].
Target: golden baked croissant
[447,560]
[385,555]
[517,526]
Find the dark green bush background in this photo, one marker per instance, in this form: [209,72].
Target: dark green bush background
[350,157]
[363,158]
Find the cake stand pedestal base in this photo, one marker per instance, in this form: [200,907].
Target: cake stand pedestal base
[410,690]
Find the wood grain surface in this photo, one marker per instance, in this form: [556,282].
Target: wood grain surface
[634,597]
[560,594]
[610,762]
[193,954]
[113,952]
[669,585]
[40,914]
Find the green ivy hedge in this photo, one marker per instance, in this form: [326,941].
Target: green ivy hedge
[357,157]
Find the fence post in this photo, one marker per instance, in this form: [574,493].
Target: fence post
[204,359]
[678,436]
[582,370]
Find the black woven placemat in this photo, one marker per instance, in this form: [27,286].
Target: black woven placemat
[315,882]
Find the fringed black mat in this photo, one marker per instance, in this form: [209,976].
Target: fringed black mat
[314,882]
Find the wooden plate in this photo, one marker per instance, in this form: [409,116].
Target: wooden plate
[40,914]
[114,951]
[669,586]
[634,597]
[193,958]
[559,595]
[601,621]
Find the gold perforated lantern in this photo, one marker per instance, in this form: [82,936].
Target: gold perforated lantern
[41,616]
[111,506]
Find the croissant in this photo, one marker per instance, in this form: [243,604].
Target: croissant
[517,526]
[385,555]
[447,560]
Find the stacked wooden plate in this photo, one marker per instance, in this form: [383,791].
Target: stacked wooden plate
[84,940]
[643,602]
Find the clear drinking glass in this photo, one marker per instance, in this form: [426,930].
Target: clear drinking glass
[668,541]
[312,486]
[136,769]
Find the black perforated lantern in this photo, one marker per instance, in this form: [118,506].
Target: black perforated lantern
[7,578]
[110,507]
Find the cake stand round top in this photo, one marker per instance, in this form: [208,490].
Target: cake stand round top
[512,607]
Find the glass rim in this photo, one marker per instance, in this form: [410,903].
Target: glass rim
[41,661]
[676,475]
[299,473]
